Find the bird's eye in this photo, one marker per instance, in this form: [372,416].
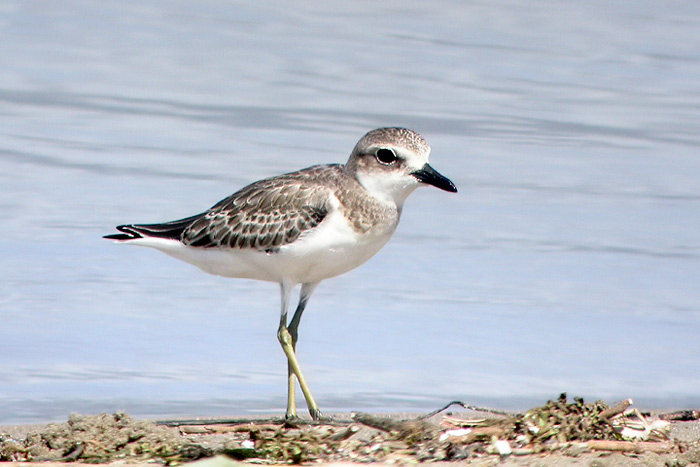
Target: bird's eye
[386,156]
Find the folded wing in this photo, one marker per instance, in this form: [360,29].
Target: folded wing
[264,216]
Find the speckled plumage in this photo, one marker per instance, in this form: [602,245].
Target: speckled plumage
[275,212]
[302,227]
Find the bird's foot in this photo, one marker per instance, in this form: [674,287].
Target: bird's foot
[317,416]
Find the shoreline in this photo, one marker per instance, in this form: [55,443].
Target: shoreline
[464,436]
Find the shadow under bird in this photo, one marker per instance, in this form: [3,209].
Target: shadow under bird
[302,227]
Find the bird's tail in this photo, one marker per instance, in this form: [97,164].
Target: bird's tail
[168,230]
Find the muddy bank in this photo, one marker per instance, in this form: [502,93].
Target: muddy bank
[561,432]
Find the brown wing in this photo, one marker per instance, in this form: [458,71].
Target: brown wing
[265,215]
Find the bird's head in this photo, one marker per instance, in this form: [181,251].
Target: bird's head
[392,162]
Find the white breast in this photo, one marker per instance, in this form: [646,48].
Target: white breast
[333,248]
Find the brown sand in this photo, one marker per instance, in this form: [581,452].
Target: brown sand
[582,438]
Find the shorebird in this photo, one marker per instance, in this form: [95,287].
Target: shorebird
[302,227]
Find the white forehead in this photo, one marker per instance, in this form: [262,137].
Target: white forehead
[406,142]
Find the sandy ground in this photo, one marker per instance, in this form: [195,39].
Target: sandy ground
[399,439]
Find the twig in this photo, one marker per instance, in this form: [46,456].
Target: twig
[626,446]
[405,427]
[345,434]
[465,406]
[616,410]
[681,416]
[218,421]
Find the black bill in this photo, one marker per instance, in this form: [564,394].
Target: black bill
[431,176]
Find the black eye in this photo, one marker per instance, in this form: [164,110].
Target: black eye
[386,156]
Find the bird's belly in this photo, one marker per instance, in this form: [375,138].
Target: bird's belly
[332,249]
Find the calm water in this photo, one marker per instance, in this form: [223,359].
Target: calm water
[569,261]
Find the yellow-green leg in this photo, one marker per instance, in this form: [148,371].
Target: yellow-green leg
[288,336]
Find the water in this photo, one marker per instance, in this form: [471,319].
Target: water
[569,261]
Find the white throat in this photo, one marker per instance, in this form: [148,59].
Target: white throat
[391,189]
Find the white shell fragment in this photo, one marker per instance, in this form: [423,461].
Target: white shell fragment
[457,433]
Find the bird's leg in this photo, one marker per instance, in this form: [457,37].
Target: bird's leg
[306,291]
[283,336]
[285,339]
[288,337]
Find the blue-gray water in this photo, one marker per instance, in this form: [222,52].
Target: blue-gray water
[569,260]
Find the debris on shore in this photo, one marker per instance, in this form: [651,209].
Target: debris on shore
[564,427]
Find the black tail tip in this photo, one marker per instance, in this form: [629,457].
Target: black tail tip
[119,237]
[127,234]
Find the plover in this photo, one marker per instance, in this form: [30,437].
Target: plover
[302,227]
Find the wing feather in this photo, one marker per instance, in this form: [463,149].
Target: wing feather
[265,216]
